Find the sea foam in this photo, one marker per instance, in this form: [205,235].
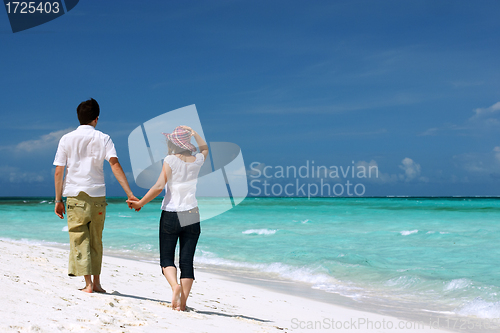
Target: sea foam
[480,308]
[408,232]
[457,284]
[259,232]
[316,277]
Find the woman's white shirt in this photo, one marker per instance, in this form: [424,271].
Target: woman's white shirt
[180,190]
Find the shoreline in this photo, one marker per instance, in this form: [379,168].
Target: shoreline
[36,282]
[444,320]
[276,283]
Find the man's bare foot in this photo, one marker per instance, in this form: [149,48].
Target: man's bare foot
[176,297]
[98,289]
[87,289]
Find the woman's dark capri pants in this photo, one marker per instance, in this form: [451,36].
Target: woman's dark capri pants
[170,231]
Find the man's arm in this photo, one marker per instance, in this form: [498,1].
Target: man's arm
[120,176]
[58,182]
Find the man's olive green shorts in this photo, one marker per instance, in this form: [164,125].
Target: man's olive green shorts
[85,224]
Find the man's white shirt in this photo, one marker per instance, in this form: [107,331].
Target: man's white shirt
[83,152]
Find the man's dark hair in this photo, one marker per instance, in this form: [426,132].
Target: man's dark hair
[87,111]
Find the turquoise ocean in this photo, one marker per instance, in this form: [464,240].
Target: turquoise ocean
[433,254]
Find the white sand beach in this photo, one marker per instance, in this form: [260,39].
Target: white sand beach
[38,296]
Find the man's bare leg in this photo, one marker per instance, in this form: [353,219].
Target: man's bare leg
[88,284]
[186,285]
[170,273]
[97,285]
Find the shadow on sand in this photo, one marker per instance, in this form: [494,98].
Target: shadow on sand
[189,309]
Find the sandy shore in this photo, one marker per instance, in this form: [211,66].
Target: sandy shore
[39,296]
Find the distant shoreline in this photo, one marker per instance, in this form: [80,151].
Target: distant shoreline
[50,198]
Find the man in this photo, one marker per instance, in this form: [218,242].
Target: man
[83,152]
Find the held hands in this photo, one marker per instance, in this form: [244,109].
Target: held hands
[133,203]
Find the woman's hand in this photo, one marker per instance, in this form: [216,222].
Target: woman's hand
[202,145]
[134,204]
[187,128]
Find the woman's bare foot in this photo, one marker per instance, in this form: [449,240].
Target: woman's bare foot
[176,297]
[98,289]
[186,284]
[183,302]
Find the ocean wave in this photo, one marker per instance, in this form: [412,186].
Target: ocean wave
[408,232]
[344,290]
[65,228]
[302,221]
[33,242]
[259,232]
[132,248]
[404,281]
[457,284]
[318,278]
[440,232]
[480,308]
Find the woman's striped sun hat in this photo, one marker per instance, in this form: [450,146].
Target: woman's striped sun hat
[181,138]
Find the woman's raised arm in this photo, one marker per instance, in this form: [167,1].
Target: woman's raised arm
[202,145]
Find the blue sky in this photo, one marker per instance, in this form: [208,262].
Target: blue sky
[409,86]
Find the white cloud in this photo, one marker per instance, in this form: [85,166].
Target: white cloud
[411,169]
[378,177]
[472,162]
[363,170]
[430,131]
[496,151]
[481,164]
[255,169]
[240,172]
[44,142]
[483,118]
[15,175]
[465,84]
[482,112]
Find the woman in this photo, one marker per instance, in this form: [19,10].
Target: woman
[180,218]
